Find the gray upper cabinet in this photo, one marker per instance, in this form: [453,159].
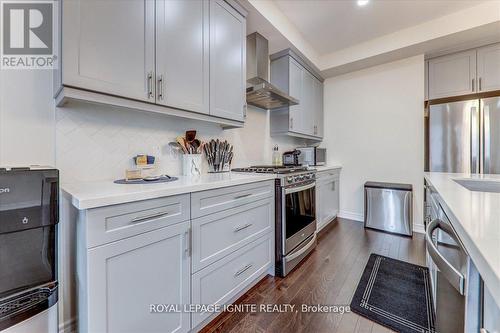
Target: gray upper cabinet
[318,107]
[108,46]
[295,86]
[292,74]
[227,61]
[308,103]
[452,75]
[182,54]
[177,57]
[488,68]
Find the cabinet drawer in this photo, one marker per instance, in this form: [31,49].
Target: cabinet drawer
[219,234]
[328,174]
[220,282]
[212,201]
[108,224]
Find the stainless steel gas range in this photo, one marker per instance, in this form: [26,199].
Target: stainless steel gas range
[295,213]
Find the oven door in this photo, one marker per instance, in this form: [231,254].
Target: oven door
[299,215]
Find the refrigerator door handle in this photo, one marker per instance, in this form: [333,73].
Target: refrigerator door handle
[486,139]
[474,142]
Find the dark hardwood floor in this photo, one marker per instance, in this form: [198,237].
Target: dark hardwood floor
[328,276]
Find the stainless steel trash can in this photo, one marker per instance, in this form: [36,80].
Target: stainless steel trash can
[389,207]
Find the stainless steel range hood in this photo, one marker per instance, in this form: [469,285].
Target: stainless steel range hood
[260,92]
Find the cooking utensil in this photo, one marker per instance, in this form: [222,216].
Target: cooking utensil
[182,142]
[190,135]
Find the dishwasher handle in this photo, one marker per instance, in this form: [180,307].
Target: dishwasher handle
[456,278]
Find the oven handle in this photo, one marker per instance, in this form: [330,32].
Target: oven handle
[300,252]
[456,278]
[300,188]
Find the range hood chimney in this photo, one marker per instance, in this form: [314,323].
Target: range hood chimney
[260,92]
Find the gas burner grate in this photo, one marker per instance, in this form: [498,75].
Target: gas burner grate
[21,303]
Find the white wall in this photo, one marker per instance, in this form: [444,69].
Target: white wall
[374,128]
[26,118]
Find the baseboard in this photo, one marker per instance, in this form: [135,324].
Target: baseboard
[351,215]
[69,326]
[419,228]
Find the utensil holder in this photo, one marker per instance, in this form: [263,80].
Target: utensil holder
[191,165]
[225,168]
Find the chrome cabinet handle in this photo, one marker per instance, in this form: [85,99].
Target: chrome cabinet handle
[480,88]
[291,123]
[148,217]
[150,85]
[243,270]
[242,196]
[187,236]
[473,85]
[160,87]
[242,227]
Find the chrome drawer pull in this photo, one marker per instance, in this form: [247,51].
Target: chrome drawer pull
[242,227]
[242,196]
[148,217]
[243,270]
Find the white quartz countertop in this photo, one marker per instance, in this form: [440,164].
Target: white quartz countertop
[475,217]
[86,195]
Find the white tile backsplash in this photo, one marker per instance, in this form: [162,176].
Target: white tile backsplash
[95,142]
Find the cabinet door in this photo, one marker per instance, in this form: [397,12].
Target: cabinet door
[108,47]
[328,200]
[488,68]
[126,277]
[296,87]
[182,57]
[227,61]
[491,313]
[452,75]
[308,96]
[318,108]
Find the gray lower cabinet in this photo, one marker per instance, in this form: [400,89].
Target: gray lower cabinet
[134,256]
[327,197]
[222,281]
[175,55]
[294,76]
[124,278]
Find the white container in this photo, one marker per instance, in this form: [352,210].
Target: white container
[191,164]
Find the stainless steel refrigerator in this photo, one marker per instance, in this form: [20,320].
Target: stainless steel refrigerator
[465,136]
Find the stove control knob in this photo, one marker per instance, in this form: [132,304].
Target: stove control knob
[301,177]
[289,179]
[309,176]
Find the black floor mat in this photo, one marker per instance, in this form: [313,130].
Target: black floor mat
[395,294]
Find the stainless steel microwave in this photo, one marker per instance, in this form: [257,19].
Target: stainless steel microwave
[312,156]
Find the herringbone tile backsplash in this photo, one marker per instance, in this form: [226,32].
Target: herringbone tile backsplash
[97,142]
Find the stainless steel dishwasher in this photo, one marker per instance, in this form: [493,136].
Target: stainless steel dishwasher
[389,207]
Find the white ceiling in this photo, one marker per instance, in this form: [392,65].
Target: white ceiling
[331,25]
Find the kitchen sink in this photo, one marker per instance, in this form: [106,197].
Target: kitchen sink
[479,185]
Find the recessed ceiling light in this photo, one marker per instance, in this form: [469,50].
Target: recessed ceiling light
[362,3]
